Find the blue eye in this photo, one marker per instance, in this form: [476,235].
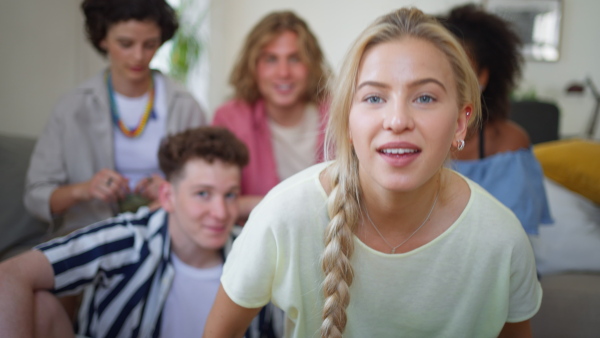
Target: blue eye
[270,59]
[203,193]
[231,196]
[374,99]
[425,99]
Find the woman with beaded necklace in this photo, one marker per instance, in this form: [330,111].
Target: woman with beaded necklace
[385,241]
[97,155]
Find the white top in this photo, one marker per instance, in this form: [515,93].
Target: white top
[136,158]
[294,147]
[190,299]
[467,282]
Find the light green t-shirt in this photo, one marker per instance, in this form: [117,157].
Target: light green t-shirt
[468,282]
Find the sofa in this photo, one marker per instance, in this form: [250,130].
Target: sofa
[19,230]
[568,251]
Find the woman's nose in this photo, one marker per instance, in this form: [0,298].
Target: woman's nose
[398,118]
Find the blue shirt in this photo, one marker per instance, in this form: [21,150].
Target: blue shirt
[516,179]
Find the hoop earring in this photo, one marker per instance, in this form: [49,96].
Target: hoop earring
[461,145]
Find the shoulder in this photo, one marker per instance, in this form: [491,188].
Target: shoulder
[92,88]
[294,200]
[175,89]
[237,115]
[510,136]
[234,107]
[126,230]
[489,214]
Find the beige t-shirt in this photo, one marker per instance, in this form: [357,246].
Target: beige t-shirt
[468,282]
[295,147]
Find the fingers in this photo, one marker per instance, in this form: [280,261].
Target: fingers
[149,186]
[108,185]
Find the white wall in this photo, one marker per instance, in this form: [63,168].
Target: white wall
[579,57]
[43,54]
[43,51]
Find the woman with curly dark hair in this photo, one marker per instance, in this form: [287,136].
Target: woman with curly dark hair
[497,153]
[97,154]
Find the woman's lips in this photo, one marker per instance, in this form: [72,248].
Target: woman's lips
[399,154]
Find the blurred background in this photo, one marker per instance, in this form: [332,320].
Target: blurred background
[44,53]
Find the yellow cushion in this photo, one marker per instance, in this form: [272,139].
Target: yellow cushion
[575,164]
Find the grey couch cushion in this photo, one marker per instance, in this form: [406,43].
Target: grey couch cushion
[570,307]
[19,231]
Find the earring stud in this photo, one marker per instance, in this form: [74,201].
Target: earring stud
[461,145]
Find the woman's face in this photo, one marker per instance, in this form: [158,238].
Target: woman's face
[404,114]
[281,75]
[131,45]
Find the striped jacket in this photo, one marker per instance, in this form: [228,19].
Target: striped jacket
[122,266]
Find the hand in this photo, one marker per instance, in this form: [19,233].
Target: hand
[106,185]
[148,187]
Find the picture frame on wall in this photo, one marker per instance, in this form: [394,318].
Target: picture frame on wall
[537,22]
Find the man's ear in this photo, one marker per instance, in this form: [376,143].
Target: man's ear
[103,44]
[462,123]
[166,196]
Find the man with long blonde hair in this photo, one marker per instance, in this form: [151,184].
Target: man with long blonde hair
[279,106]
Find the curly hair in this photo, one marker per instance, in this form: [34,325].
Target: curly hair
[492,44]
[344,201]
[101,14]
[206,143]
[243,75]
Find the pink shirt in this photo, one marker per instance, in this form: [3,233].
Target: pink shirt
[250,124]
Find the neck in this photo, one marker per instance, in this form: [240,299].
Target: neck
[286,116]
[190,253]
[394,210]
[130,88]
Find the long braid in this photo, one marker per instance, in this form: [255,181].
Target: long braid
[343,209]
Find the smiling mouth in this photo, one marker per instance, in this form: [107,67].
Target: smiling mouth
[398,151]
[285,87]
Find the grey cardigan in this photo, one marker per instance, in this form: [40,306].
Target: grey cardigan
[77,142]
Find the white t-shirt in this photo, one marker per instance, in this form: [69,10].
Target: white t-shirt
[467,282]
[190,299]
[136,158]
[295,147]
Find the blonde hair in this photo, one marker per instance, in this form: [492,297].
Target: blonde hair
[344,200]
[243,76]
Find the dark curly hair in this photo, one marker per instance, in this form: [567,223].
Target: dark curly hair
[206,143]
[491,43]
[101,14]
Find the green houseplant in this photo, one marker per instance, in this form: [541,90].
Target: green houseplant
[187,43]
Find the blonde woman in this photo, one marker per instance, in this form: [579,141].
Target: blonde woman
[384,241]
[279,108]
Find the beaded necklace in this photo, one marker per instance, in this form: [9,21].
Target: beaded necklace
[149,112]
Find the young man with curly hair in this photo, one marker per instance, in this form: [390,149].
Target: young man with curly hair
[155,272]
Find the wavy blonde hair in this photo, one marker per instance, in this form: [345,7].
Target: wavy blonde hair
[243,76]
[344,200]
